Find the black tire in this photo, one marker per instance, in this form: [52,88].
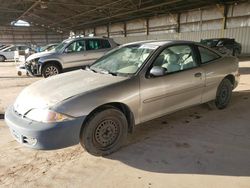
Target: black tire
[224,94]
[104,132]
[2,58]
[236,53]
[50,69]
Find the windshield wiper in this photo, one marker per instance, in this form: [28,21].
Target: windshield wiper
[101,71]
[87,68]
[108,72]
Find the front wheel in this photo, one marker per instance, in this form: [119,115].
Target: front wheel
[104,132]
[50,70]
[2,58]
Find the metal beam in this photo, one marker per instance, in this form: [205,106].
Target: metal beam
[29,9]
[108,30]
[178,23]
[225,16]
[125,29]
[87,12]
[126,13]
[2,9]
[147,26]
[43,19]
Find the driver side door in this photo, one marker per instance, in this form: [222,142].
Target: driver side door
[74,54]
[181,85]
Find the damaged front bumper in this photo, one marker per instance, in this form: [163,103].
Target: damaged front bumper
[33,68]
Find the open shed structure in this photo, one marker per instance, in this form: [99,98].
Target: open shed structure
[125,20]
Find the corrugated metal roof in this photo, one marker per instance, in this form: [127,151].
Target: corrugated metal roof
[75,14]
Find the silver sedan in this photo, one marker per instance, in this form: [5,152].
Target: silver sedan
[132,84]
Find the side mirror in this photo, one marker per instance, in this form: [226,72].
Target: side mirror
[157,71]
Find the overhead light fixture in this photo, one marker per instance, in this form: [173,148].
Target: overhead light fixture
[20,23]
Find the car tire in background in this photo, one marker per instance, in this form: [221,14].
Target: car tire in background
[104,132]
[50,69]
[236,53]
[223,95]
[2,58]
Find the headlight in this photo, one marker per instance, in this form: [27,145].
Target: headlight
[46,116]
[34,61]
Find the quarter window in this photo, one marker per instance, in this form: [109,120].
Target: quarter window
[105,44]
[207,55]
[176,58]
[96,44]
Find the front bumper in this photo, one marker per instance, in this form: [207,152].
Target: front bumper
[40,135]
[33,69]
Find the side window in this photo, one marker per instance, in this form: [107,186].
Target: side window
[93,44]
[23,47]
[176,58]
[220,43]
[76,46]
[207,55]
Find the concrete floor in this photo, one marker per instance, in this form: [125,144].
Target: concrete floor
[196,147]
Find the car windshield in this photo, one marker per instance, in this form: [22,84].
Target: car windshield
[125,60]
[48,47]
[61,45]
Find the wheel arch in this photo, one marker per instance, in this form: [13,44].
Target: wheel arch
[55,62]
[120,106]
[231,78]
[3,57]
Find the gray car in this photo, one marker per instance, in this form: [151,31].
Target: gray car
[8,53]
[131,84]
[70,54]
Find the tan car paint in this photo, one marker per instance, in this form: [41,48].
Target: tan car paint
[215,72]
[146,98]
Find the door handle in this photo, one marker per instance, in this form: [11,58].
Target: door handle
[198,74]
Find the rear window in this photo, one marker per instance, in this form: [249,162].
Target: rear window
[210,42]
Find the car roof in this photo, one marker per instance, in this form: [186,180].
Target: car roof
[161,42]
[218,39]
[80,38]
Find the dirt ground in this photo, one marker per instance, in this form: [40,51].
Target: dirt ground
[197,147]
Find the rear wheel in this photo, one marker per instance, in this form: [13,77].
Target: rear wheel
[236,53]
[2,58]
[50,70]
[104,132]
[223,95]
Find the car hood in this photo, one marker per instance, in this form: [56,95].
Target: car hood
[39,55]
[48,92]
